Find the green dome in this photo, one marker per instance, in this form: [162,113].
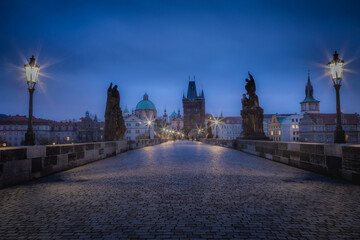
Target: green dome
[145,104]
[173,114]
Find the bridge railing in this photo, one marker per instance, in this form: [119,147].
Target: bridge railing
[21,164]
[335,160]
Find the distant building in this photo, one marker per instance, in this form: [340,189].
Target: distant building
[13,129]
[290,128]
[3,116]
[137,128]
[136,124]
[320,127]
[145,109]
[89,129]
[266,120]
[274,128]
[194,109]
[177,122]
[230,128]
[164,119]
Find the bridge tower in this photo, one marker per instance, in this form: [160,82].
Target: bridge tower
[194,108]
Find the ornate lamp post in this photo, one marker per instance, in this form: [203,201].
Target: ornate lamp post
[32,73]
[336,66]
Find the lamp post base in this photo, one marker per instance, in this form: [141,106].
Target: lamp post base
[29,139]
[339,135]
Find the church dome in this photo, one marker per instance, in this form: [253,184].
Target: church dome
[173,115]
[145,104]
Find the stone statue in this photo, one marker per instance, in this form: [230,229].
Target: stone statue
[114,122]
[208,130]
[252,113]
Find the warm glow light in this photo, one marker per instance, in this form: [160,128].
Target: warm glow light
[67,138]
[336,67]
[32,72]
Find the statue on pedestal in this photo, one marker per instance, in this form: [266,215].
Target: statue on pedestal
[252,113]
[114,122]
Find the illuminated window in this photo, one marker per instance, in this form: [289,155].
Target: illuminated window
[67,138]
[144,114]
[293,126]
[271,132]
[279,132]
[297,126]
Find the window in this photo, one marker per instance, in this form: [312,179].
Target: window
[297,120]
[292,120]
[271,132]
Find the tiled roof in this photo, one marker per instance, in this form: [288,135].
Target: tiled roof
[330,118]
[23,120]
[231,120]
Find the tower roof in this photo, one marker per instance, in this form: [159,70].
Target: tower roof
[309,91]
[192,93]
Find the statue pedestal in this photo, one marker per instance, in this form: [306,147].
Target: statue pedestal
[252,124]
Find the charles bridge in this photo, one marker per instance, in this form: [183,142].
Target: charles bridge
[180,190]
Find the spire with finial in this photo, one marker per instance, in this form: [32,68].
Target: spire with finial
[309,104]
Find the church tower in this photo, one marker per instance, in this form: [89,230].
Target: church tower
[194,108]
[310,104]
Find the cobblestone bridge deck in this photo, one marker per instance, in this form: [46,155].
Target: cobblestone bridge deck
[182,190]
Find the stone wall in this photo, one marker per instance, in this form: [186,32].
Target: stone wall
[20,164]
[340,161]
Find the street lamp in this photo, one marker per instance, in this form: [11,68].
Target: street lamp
[32,73]
[336,66]
[149,126]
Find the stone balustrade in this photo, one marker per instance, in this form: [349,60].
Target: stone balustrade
[335,160]
[21,164]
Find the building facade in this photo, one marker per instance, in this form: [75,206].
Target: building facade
[137,128]
[194,109]
[320,127]
[89,129]
[13,129]
[176,121]
[229,128]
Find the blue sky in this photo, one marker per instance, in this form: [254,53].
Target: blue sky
[153,46]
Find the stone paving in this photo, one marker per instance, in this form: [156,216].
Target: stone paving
[182,190]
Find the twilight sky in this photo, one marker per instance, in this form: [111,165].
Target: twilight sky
[153,46]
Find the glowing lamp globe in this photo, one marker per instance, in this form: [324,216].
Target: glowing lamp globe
[336,67]
[32,72]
